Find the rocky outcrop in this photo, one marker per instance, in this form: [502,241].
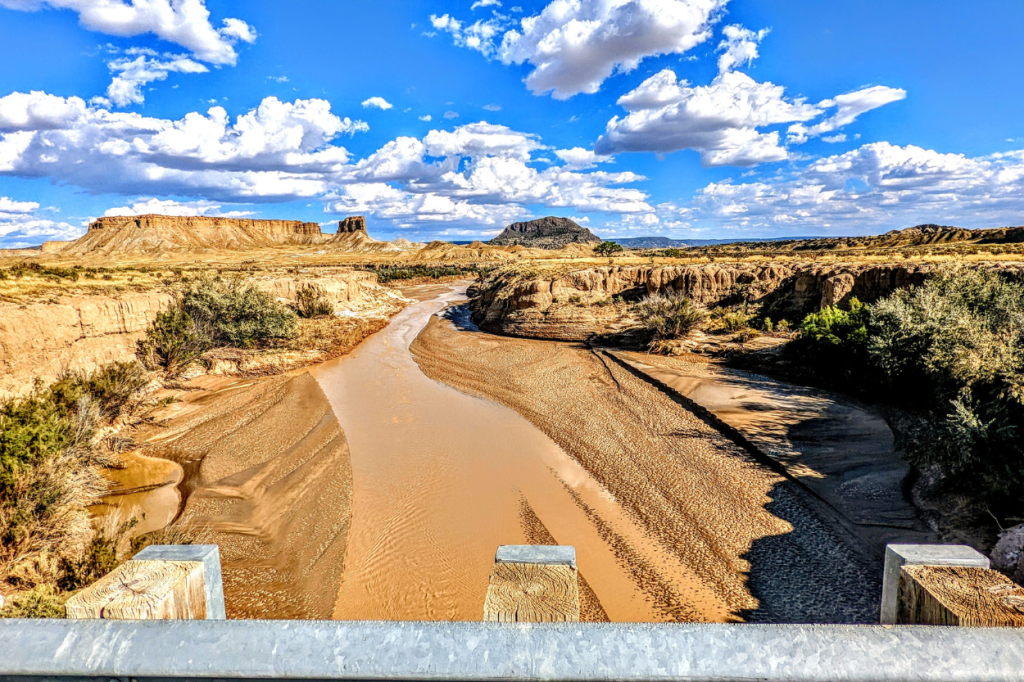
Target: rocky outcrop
[545,233]
[1008,554]
[84,333]
[159,233]
[574,305]
[356,223]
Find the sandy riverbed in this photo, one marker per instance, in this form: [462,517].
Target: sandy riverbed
[737,528]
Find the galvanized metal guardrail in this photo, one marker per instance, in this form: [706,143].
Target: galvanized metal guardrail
[353,650]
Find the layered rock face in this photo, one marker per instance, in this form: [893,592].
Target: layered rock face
[545,233]
[159,233]
[564,306]
[356,223]
[84,333]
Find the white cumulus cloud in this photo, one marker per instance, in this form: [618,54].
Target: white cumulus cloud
[723,120]
[279,149]
[22,226]
[377,103]
[739,47]
[878,185]
[152,205]
[573,46]
[719,120]
[131,75]
[848,108]
[182,22]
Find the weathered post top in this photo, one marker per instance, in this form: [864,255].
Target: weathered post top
[533,584]
[160,582]
[898,555]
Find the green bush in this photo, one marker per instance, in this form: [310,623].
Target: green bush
[737,320]
[214,313]
[833,326]
[952,351]
[47,475]
[955,349]
[310,302]
[669,316]
[42,601]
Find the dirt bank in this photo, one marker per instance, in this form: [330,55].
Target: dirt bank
[39,340]
[741,529]
[266,475]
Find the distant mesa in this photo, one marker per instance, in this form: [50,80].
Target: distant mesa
[161,233]
[545,233]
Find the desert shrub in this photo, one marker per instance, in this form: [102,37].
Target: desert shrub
[768,325]
[213,313]
[112,386]
[955,348]
[102,555]
[736,320]
[47,478]
[32,268]
[952,351]
[398,273]
[310,302]
[833,326]
[672,253]
[42,601]
[668,316]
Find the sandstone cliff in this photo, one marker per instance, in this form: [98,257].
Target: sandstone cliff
[158,234]
[574,305]
[86,332]
[356,223]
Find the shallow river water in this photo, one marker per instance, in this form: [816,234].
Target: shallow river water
[439,479]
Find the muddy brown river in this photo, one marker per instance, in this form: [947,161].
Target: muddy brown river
[440,479]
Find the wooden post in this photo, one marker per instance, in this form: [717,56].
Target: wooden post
[160,582]
[143,590]
[533,584]
[958,595]
[899,555]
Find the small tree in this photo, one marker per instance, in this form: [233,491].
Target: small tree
[607,248]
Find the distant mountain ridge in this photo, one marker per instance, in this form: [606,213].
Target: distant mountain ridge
[667,242]
[917,236]
[545,233]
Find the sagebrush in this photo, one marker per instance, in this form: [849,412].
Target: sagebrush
[668,316]
[214,313]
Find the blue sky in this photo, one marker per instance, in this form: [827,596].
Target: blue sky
[685,118]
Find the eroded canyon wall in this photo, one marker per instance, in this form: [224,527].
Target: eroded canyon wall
[570,306]
[83,333]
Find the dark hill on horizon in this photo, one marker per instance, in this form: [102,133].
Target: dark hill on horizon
[545,233]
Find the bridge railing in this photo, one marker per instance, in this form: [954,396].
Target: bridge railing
[186,636]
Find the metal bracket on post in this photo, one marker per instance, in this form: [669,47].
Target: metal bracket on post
[896,556]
